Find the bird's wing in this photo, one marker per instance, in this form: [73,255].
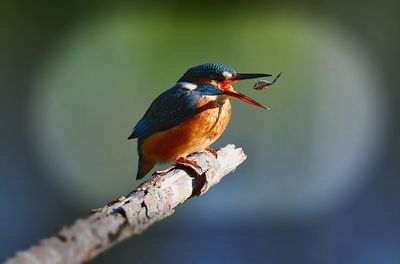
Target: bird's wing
[169,109]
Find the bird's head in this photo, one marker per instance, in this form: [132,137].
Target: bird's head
[222,77]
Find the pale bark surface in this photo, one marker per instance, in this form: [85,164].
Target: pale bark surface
[152,201]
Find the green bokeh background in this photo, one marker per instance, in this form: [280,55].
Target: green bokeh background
[319,163]
[99,81]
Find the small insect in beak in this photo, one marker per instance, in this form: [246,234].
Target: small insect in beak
[263,84]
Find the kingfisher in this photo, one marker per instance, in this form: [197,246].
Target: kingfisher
[189,116]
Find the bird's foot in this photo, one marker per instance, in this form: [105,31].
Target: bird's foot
[189,163]
[212,151]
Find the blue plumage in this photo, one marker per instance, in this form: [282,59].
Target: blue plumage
[207,89]
[207,71]
[212,67]
[171,108]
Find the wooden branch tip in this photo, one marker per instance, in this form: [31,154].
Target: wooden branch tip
[132,214]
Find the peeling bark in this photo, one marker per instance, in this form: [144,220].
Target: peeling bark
[152,201]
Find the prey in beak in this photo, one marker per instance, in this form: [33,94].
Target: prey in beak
[226,86]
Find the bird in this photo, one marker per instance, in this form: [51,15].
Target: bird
[189,116]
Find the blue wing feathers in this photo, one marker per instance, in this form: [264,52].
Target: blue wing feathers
[169,109]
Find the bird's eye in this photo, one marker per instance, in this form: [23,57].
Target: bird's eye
[213,76]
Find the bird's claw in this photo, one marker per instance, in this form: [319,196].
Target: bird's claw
[212,151]
[189,164]
[183,161]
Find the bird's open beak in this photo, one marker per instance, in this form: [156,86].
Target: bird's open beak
[244,98]
[244,76]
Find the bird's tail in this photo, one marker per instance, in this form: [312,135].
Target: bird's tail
[144,167]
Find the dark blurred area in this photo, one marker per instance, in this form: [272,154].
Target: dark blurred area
[321,183]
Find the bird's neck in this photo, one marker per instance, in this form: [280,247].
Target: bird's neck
[221,99]
[211,101]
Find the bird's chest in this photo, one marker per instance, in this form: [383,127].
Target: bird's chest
[196,133]
[212,119]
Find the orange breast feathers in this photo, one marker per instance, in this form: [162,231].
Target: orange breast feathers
[192,135]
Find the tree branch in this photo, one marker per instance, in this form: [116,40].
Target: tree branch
[127,216]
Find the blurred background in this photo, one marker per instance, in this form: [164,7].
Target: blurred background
[321,182]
